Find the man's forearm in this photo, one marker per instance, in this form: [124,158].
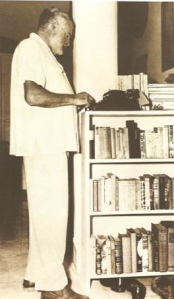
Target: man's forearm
[36,95]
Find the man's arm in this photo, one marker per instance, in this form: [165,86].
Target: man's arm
[36,95]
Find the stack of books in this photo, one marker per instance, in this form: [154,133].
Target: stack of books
[132,142]
[135,81]
[162,96]
[148,192]
[137,250]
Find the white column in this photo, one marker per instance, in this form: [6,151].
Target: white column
[95,47]
[95,71]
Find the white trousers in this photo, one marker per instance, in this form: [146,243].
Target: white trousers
[47,190]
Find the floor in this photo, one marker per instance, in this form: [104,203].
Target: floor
[13,259]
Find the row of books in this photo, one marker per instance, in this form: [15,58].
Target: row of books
[132,142]
[148,192]
[137,250]
[162,96]
[134,81]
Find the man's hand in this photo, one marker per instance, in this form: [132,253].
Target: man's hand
[84,99]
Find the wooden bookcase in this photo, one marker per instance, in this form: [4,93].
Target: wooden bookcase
[112,223]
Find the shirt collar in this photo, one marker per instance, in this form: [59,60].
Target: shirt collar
[40,40]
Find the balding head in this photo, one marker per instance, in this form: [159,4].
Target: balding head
[52,14]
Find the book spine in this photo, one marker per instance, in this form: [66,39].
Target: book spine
[145,261]
[142,145]
[163,251]
[171,249]
[143,198]
[113,141]
[150,251]
[126,253]
[103,259]
[156,193]
[167,183]
[118,257]
[161,192]
[97,143]
[133,250]
[116,194]
[138,195]
[148,142]
[147,192]
[112,255]
[166,142]
[139,251]
[98,261]
[105,138]
[171,142]
[108,255]
[160,142]
[95,195]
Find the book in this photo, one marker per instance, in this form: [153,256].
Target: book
[108,255]
[142,190]
[123,191]
[97,143]
[160,180]
[156,192]
[113,144]
[142,144]
[112,246]
[170,232]
[98,257]
[150,239]
[171,194]
[113,194]
[148,180]
[138,195]
[101,239]
[130,124]
[118,256]
[171,141]
[139,249]
[126,252]
[161,247]
[125,143]
[133,237]
[95,195]
[167,187]
[105,138]
[166,142]
[145,258]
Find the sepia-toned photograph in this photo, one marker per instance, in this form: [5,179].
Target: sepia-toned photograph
[86,149]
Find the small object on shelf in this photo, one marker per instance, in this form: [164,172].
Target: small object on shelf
[163,286]
[136,288]
[116,284]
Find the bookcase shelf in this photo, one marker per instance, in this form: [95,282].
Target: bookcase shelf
[132,213]
[137,274]
[114,222]
[131,161]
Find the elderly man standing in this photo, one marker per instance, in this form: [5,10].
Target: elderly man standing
[43,130]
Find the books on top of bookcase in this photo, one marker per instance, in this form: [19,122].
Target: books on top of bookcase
[162,96]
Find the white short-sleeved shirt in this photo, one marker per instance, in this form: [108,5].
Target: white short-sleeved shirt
[54,130]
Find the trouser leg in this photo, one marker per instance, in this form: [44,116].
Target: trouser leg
[47,189]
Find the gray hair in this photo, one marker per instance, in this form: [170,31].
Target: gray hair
[50,14]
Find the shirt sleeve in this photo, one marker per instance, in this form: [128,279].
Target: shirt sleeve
[29,63]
